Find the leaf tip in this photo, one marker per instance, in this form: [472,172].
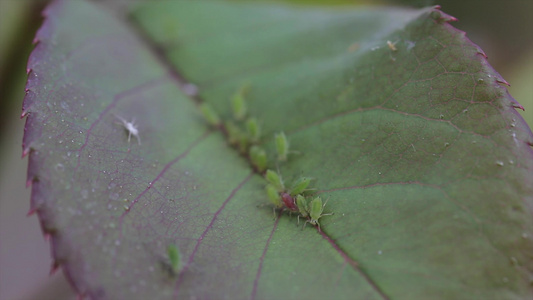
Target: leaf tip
[503,81]
[518,106]
[31,212]
[441,16]
[482,53]
[54,267]
[25,151]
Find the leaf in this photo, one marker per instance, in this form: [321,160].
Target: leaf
[425,162]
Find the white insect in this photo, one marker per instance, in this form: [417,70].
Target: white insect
[392,45]
[130,127]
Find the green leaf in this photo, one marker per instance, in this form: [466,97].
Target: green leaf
[426,164]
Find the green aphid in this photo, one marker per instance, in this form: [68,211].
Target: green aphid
[238,104]
[234,133]
[174,258]
[315,211]
[209,114]
[274,197]
[258,157]
[282,146]
[274,179]
[302,207]
[299,186]
[244,143]
[254,131]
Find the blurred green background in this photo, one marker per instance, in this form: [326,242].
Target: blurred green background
[503,29]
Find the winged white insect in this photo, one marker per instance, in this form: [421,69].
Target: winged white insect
[131,128]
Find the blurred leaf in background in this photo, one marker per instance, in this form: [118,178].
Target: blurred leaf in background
[14,50]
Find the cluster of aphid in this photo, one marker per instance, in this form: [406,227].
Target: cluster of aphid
[294,199]
[244,133]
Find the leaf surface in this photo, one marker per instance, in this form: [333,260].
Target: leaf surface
[418,147]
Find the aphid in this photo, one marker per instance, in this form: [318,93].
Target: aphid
[174,258]
[131,128]
[315,211]
[234,133]
[282,146]
[275,180]
[254,131]
[239,106]
[302,207]
[258,158]
[289,201]
[244,142]
[209,114]
[392,45]
[299,186]
[238,103]
[274,197]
